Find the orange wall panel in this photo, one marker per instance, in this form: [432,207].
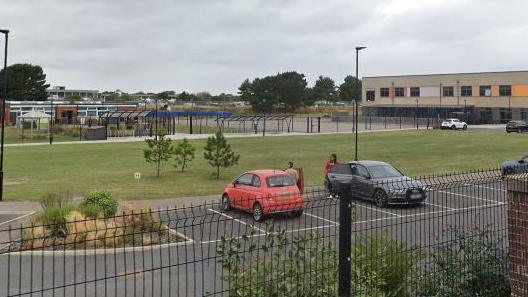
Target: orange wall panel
[520,90]
[495,91]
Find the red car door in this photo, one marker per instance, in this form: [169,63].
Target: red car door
[249,192]
[239,194]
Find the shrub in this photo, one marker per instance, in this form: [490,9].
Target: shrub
[54,219]
[381,267]
[90,210]
[102,199]
[467,263]
[55,199]
[279,266]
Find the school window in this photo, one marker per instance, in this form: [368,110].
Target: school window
[485,91]
[415,92]
[371,95]
[466,91]
[448,92]
[384,92]
[505,90]
[399,92]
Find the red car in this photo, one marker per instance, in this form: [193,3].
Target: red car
[263,192]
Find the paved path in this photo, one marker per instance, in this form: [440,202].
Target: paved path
[180,136]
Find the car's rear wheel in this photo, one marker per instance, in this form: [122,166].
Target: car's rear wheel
[296,213]
[465,127]
[453,127]
[226,205]
[380,198]
[257,212]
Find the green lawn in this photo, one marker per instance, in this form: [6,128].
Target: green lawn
[30,171]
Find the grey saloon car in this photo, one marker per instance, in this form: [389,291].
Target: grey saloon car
[376,181]
[515,166]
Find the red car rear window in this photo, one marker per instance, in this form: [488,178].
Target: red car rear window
[279,181]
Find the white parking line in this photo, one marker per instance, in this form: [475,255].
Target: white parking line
[467,196]
[440,206]
[237,220]
[432,212]
[378,210]
[18,218]
[489,188]
[262,234]
[320,218]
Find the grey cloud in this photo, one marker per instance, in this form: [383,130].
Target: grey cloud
[215,44]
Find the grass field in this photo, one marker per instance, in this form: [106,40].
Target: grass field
[33,170]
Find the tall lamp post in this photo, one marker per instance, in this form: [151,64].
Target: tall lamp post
[6,34]
[358,48]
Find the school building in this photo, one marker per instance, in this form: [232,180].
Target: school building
[479,98]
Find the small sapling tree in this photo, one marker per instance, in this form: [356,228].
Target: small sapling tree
[219,154]
[184,154]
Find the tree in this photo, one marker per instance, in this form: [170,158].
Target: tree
[324,89]
[184,154]
[347,90]
[26,82]
[219,154]
[290,89]
[159,151]
[246,90]
[164,95]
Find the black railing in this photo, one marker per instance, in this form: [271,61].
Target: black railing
[451,244]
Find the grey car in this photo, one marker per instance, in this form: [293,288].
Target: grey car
[515,166]
[376,181]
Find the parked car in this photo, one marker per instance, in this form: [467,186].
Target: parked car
[453,124]
[515,166]
[263,192]
[516,126]
[378,182]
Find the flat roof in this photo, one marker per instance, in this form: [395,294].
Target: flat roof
[413,105]
[455,73]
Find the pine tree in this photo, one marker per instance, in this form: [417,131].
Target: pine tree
[219,154]
[159,151]
[183,154]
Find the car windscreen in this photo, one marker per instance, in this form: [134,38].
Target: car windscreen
[383,171]
[279,181]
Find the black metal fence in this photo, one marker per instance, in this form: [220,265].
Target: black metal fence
[451,244]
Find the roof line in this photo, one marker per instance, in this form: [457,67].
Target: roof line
[454,73]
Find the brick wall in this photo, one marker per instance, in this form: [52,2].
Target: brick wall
[518,235]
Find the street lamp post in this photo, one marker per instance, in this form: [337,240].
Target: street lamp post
[416,114]
[465,110]
[156,117]
[6,34]
[357,93]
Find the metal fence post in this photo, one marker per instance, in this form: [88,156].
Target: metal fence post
[345,241]
[307,124]
[318,124]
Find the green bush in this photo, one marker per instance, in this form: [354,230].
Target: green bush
[55,199]
[303,266]
[90,210]
[54,218]
[102,199]
[467,263]
[381,267]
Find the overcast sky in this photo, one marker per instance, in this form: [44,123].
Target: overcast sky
[213,45]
